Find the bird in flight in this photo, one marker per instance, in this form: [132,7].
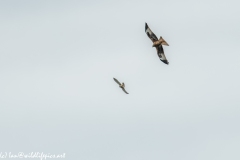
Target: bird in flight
[157,43]
[120,85]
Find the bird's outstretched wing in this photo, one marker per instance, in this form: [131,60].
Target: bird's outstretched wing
[117,81]
[161,54]
[124,90]
[150,34]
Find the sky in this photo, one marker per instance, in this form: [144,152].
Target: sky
[57,94]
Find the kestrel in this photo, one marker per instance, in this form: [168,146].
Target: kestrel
[157,43]
[121,85]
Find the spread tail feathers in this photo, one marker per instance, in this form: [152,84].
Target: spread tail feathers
[163,42]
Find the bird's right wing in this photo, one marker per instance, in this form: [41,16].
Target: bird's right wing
[161,54]
[117,81]
[150,34]
[124,90]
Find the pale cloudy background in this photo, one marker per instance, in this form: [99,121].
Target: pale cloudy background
[57,95]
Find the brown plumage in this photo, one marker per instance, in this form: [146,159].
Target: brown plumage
[157,43]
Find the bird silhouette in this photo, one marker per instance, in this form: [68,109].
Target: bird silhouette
[157,43]
[120,85]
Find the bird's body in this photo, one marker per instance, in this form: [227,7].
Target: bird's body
[157,43]
[121,85]
[161,41]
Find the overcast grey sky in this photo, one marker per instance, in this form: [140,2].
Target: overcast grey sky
[57,63]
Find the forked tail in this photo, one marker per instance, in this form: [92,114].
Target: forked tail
[163,42]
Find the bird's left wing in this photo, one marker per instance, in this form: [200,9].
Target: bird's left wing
[117,81]
[150,34]
[124,90]
[161,54]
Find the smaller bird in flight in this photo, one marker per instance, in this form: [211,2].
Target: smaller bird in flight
[120,85]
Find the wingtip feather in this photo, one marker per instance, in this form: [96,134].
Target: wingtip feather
[146,26]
